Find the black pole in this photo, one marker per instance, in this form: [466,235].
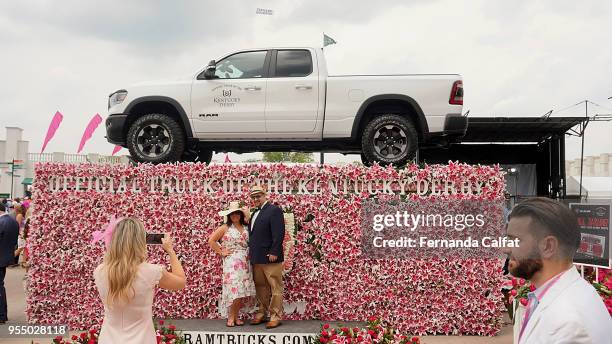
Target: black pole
[322,158]
[562,164]
[586,114]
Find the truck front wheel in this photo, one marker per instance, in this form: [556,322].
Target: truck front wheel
[389,139]
[156,138]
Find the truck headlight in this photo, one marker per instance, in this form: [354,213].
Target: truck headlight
[116,98]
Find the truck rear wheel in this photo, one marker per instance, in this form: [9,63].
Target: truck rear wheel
[156,138]
[389,139]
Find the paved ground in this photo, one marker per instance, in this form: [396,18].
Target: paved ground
[16,315]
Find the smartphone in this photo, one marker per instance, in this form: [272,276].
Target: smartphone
[154,238]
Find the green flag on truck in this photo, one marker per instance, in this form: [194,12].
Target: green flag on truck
[327,40]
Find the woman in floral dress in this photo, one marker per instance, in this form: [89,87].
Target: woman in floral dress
[238,286]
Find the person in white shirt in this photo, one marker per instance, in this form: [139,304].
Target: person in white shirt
[564,308]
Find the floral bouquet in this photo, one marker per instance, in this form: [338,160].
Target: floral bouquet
[168,335]
[374,332]
[603,285]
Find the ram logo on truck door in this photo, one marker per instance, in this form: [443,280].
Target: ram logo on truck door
[209,115]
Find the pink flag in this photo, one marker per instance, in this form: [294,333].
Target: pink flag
[116,149]
[55,123]
[227,159]
[91,127]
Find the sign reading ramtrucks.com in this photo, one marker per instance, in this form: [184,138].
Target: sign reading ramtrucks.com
[594,226]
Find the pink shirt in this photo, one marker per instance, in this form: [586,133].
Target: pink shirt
[132,322]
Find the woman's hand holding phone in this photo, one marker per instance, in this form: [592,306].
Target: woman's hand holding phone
[167,243]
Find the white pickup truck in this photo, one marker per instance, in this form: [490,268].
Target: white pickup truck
[281,99]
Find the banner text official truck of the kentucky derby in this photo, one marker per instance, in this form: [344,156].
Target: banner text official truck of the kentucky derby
[280,186]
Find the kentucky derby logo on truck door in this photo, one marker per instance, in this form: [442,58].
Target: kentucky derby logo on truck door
[225,100]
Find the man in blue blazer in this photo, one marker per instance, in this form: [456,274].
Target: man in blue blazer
[9,231]
[266,234]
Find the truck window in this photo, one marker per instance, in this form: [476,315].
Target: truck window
[242,65]
[293,63]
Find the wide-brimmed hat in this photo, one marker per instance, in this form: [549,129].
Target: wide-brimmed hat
[234,206]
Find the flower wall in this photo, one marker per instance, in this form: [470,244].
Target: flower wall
[329,275]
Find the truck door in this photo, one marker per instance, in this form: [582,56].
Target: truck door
[292,101]
[233,104]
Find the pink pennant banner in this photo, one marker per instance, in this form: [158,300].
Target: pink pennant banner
[91,127]
[116,149]
[55,123]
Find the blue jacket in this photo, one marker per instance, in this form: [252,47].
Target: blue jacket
[266,234]
[9,231]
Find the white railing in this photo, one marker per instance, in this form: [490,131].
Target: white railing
[76,158]
[110,159]
[40,157]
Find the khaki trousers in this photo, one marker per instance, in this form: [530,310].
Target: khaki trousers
[268,280]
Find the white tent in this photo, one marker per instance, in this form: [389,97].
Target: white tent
[592,187]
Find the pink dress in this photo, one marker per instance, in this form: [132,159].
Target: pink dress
[131,323]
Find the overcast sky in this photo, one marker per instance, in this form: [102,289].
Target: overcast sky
[517,58]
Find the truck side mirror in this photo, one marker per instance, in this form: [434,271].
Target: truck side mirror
[209,73]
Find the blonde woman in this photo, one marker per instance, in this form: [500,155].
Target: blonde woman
[126,284]
[238,287]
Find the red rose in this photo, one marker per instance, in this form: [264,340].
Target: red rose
[414,340]
[92,341]
[532,287]
[161,322]
[74,337]
[513,292]
[84,335]
[326,326]
[372,319]
[172,327]
[524,302]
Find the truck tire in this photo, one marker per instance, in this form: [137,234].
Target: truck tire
[365,161]
[389,139]
[156,138]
